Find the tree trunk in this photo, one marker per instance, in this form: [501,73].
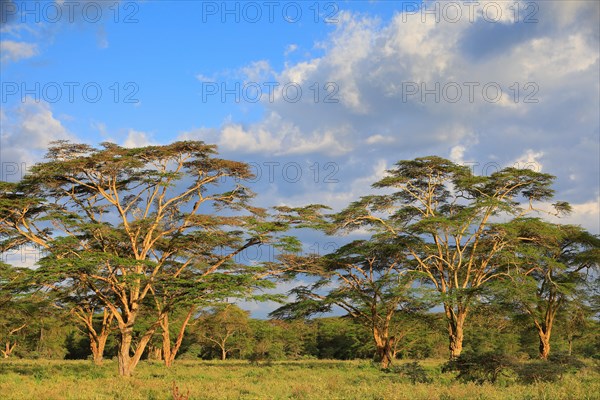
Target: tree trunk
[127,361]
[97,344]
[544,333]
[8,349]
[97,338]
[223,353]
[544,344]
[169,352]
[384,355]
[385,345]
[166,341]
[456,321]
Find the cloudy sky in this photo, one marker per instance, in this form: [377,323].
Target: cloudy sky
[321,97]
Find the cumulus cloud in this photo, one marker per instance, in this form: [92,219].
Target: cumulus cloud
[529,160]
[457,154]
[26,134]
[478,91]
[586,214]
[274,136]
[137,139]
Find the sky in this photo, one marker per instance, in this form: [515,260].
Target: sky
[320,97]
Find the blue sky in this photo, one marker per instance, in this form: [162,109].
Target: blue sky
[381,81]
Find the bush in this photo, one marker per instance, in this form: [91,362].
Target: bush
[481,368]
[489,367]
[550,370]
[192,353]
[414,372]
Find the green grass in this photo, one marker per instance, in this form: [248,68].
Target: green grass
[322,379]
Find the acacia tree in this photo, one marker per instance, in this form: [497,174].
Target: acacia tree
[14,312]
[114,220]
[441,215]
[365,278]
[96,319]
[553,261]
[227,327]
[194,289]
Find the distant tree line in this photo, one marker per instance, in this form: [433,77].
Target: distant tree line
[228,332]
[140,253]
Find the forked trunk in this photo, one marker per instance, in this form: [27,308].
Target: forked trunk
[385,347]
[544,344]
[97,344]
[127,361]
[8,348]
[169,352]
[544,330]
[97,338]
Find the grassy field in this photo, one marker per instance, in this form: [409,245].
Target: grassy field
[40,379]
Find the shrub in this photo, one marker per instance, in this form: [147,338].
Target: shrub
[414,372]
[550,370]
[489,367]
[480,368]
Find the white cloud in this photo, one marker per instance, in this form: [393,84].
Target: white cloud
[547,58]
[258,71]
[547,111]
[137,139]
[273,136]
[290,49]
[457,154]
[546,115]
[376,139]
[15,51]
[529,160]
[26,134]
[205,78]
[586,214]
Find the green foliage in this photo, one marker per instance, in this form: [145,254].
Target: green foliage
[224,331]
[550,370]
[491,367]
[480,368]
[414,372]
[343,339]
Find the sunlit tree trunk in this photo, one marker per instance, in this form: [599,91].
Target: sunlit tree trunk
[170,352]
[97,339]
[127,361]
[544,333]
[385,347]
[456,321]
[8,348]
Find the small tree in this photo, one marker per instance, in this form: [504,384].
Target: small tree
[553,263]
[227,327]
[16,307]
[368,280]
